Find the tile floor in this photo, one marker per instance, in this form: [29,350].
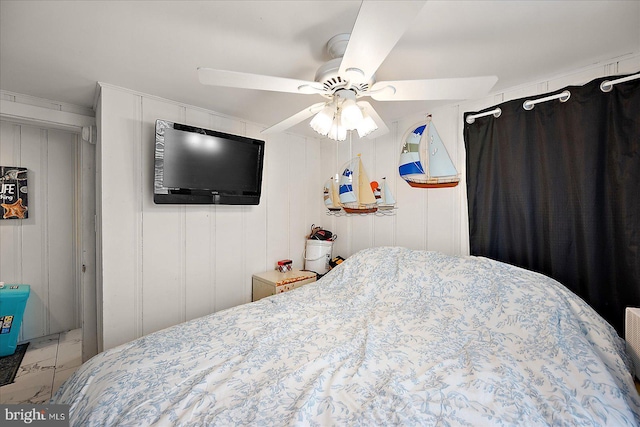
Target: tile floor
[48,362]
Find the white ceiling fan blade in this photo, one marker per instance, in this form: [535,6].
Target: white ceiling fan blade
[433,89]
[209,76]
[295,119]
[382,127]
[378,27]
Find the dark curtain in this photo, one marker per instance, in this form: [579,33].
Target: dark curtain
[557,190]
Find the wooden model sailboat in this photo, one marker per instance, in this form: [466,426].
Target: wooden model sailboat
[383,195]
[331,197]
[424,161]
[355,191]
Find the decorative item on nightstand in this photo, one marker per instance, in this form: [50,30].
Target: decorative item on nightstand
[275,282]
[284,265]
[317,252]
[632,337]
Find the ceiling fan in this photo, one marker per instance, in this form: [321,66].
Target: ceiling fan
[350,75]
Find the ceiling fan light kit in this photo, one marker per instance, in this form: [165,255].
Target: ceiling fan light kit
[350,114]
[342,114]
[337,131]
[350,75]
[366,125]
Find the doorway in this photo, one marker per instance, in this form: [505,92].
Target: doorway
[53,248]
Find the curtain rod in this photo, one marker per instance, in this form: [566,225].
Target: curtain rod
[607,85]
[472,117]
[530,103]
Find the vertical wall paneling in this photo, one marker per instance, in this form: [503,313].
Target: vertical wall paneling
[41,250]
[44,205]
[313,201]
[99,223]
[255,225]
[229,246]
[87,241]
[9,230]
[199,252]
[229,257]
[461,219]
[361,225]
[61,219]
[277,160]
[344,153]
[184,261]
[163,243]
[34,233]
[328,168]
[384,149]
[37,234]
[299,177]
[120,217]
[395,136]
[411,214]
[441,225]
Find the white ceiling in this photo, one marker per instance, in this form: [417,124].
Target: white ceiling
[59,50]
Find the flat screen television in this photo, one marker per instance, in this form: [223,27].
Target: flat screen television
[202,166]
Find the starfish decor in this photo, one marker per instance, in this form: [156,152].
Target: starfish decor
[16,209]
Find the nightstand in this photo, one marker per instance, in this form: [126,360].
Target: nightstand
[274,282]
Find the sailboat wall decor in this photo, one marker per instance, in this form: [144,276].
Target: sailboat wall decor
[424,160]
[383,195]
[354,190]
[331,197]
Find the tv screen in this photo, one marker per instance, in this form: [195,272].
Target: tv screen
[201,166]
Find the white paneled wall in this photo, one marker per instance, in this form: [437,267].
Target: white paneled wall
[41,250]
[424,219]
[434,219]
[164,264]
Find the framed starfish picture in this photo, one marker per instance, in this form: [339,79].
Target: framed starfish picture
[13,193]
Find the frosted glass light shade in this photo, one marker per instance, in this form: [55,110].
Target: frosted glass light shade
[322,121]
[351,114]
[366,126]
[337,132]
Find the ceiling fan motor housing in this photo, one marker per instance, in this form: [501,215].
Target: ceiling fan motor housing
[328,73]
[328,76]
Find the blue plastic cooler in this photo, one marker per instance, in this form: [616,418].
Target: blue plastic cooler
[13,299]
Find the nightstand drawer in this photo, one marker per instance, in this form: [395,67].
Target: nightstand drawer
[274,282]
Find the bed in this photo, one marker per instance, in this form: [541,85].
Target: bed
[392,336]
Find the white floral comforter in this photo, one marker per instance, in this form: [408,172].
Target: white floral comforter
[392,336]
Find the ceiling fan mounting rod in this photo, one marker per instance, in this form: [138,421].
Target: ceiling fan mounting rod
[337,45]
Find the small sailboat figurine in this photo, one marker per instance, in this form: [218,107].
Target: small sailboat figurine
[331,198]
[424,160]
[383,195]
[355,191]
